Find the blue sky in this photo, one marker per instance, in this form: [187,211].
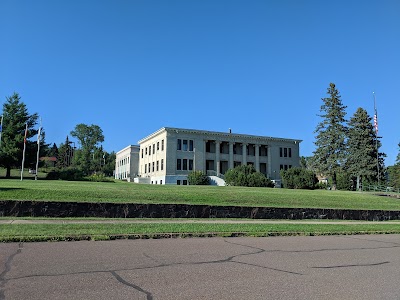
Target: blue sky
[258,67]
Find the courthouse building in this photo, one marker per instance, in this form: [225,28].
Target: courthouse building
[168,155]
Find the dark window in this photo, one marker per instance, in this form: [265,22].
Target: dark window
[179,146]
[158,146]
[179,164]
[185,145]
[178,182]
[154,148]
[162,145]
[184,182]
[285,152]
[153,166]
[145,168]
[191,145]
[280,152]
[149,168]
[185,165]
[280,167]
[190,164]
[142,153]
[290,152]
[150,150]
[146,150]
[162,164]
[160,181]
[157,165]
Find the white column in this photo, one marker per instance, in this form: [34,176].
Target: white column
[244,154]
[217,152]
[230,155]
[257,149]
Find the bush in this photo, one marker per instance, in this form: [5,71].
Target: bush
[299,178]
[69,174]
[247,176]
[98,177]
[198,178]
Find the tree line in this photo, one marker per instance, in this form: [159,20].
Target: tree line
[85,158]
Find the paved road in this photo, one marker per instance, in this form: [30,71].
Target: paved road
[335,267]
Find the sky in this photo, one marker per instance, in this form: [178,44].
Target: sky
[257,67]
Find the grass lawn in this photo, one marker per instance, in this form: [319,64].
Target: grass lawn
[48,232]
[123,192]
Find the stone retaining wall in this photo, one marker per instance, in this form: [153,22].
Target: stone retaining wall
[118,210]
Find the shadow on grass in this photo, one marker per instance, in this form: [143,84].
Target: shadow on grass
[2,189]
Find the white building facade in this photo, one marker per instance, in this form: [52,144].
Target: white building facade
[127,163]
[168,155]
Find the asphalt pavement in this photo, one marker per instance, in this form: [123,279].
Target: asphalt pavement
[323,267]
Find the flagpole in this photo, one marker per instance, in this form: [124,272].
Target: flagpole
[376,131]
[38,149]
[23,154]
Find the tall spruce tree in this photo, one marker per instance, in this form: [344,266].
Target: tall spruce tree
[330,142]
[361,147]
[394,172]
[15,116]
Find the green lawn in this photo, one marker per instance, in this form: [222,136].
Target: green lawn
[46,232]
[123,192]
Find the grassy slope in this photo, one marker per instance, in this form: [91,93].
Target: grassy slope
[123,192]
[44,232]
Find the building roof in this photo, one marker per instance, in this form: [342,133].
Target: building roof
[216,134]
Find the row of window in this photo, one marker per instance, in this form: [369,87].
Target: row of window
[185,145]
[123,162]
[285,152]
[184,164]
[285,167]
[148,150]
[154,166]
[181,182]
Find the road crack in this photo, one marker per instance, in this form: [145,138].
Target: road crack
[3,280]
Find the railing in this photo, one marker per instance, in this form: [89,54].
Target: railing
[214,173]
[380,188]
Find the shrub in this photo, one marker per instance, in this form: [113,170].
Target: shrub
[198,178]
[98,177]
[299,178]
[246,175]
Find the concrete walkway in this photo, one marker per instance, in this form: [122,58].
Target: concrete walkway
[191,221]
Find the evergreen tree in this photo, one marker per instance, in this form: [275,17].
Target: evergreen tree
[65,155]
[331,136]
[394,172]
[15,116]
[361,146]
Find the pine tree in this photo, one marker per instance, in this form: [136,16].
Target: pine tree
[15,116]
[361,146]
[331,133]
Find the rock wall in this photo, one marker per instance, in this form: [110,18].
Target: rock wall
[120,210]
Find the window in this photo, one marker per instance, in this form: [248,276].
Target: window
[191,145]
[157,165]
[142,153]
[162,145]
[146,150]
[149,168]
[153,166]
[178,182]
[154,148]
[280,152]
[185,164]
[178,164]
[162,164]
[158,146]
[150,150]
[290,152]
[145,168]
[184,182]
[185,145]
[160,181]
[179,146]
[190,164]
[280,166]
[285,152]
